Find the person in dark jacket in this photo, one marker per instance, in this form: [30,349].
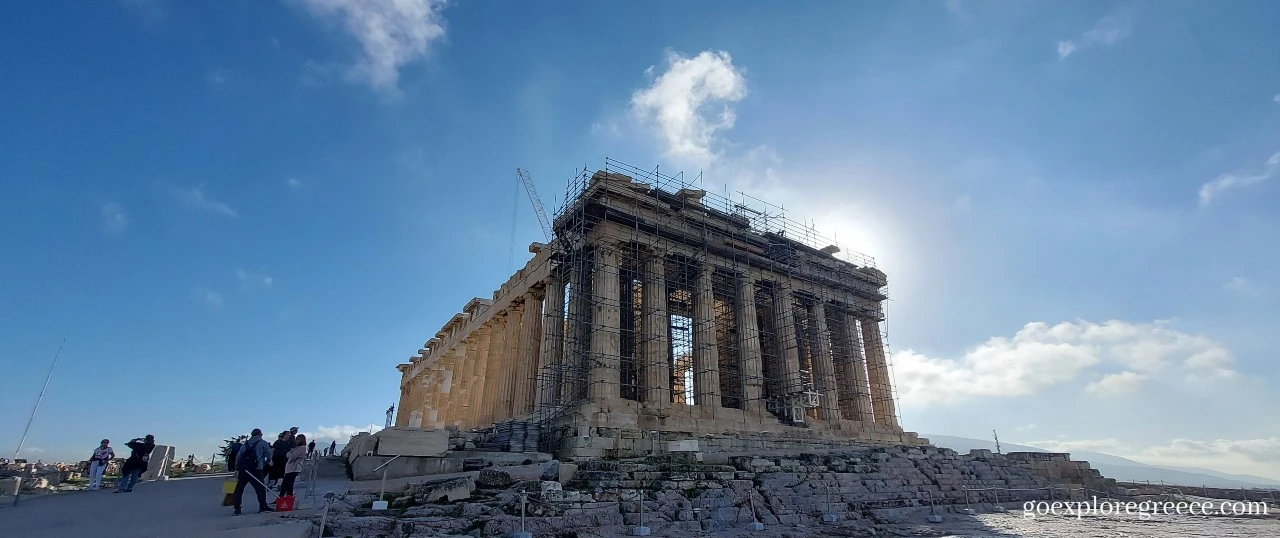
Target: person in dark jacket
[137,463]
[231,454]
[250,460]
[279,456]
[311,448]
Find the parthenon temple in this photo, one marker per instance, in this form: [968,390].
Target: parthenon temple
[660,310]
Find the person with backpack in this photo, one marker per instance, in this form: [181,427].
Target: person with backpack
[253,455]
[137,462]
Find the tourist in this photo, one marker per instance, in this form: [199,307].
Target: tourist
[137,463]
[293,464]
[250,461]
[333,448]
[279,456]
[311,448]
[98,462]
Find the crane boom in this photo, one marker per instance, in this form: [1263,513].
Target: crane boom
[537,203]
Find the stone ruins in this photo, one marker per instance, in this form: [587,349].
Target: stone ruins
[659,314]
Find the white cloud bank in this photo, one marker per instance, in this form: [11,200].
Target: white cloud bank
[1259,456]
[195,198]
[1210,190]
[690,103]
[392,33]
[1106,32]
[340,433]
[1040,356]
[114,218]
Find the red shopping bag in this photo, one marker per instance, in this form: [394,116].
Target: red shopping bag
[284,503]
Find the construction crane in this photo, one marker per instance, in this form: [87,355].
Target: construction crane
[537,203]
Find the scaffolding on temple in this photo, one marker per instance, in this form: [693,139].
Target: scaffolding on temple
[678,323]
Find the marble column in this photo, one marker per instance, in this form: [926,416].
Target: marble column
[550,357]
[824,373]
[605,338]
[578,328]
[855,371]
[470,346]
[510,357]
[706,354]
[878,374]
[449,363]
[788,347]
[480,377]
[655,327]
[493,369]
[749,347]
[530,345]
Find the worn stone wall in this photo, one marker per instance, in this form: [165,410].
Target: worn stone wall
[680,495]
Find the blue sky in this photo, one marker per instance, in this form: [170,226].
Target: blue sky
[245,214]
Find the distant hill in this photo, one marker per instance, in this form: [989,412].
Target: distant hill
[1122,469]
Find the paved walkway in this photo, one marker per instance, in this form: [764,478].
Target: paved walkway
[187,507]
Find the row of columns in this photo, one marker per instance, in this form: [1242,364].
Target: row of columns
[486,377]
[492,374]
[862,390]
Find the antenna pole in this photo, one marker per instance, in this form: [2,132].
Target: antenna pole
[39,399]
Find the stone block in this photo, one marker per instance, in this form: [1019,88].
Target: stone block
[684,445]
[412,442]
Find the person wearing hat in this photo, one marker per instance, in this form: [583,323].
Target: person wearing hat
[98,462]
[137,462]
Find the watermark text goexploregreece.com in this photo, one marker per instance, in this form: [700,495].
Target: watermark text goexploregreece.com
[1144,509]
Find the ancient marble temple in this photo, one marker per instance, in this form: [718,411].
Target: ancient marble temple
[662,313]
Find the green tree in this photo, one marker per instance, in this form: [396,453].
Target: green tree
[226,445]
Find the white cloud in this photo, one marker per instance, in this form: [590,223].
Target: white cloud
[1106,32]
[688,104]
[195,198]
[1040,356]
[293,183]
[207,296]
[254,280]
[1026,428]
[1259,456]
[1263,451]
[1212,189]
[217,76]
[1276,98]
[1087,445]
[1116,384]
[392,33]
[1245,287]
[114,218]
[340,433]
[1065,48]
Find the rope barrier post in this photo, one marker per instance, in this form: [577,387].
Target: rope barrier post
[324,517]
[524,501]
[966,511]
[998,507]
[756,524]
[641,529]
[933,512]
[829,517]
